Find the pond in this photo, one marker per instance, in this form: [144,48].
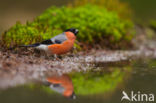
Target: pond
[104,83]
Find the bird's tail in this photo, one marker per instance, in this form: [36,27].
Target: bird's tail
[32,45]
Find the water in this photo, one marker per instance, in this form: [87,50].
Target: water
[103,84]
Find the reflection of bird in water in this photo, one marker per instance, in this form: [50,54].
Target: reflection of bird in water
[62,84]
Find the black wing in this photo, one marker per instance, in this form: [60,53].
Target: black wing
[47,42]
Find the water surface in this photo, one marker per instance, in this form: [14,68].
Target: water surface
[103,84]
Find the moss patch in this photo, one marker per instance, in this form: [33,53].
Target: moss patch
[96,26]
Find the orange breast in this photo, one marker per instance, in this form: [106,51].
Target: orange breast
[65,47]
[70,36]
[61,48]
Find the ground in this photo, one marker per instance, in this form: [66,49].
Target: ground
[22,67]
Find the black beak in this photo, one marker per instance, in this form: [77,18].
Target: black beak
[73,96]
[76,31]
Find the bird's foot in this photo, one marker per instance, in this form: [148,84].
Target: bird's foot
[57,57]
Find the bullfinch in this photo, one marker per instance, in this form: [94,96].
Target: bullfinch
[59,44]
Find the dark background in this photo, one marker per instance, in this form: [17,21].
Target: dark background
[23,10]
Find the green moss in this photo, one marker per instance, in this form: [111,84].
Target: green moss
[95,24]
[98,82]
[153,24]
[121,8]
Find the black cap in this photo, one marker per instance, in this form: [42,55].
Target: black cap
[75,31]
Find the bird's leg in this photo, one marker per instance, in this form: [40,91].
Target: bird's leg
[73,52]
[56,57]
[44,54]
[49,56]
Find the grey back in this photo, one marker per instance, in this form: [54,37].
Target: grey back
[59,38]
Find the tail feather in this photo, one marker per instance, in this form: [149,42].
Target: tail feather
[32,45]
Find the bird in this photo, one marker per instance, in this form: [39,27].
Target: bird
[61,84]
[58,45]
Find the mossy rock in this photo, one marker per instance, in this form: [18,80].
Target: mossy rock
[95,24]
